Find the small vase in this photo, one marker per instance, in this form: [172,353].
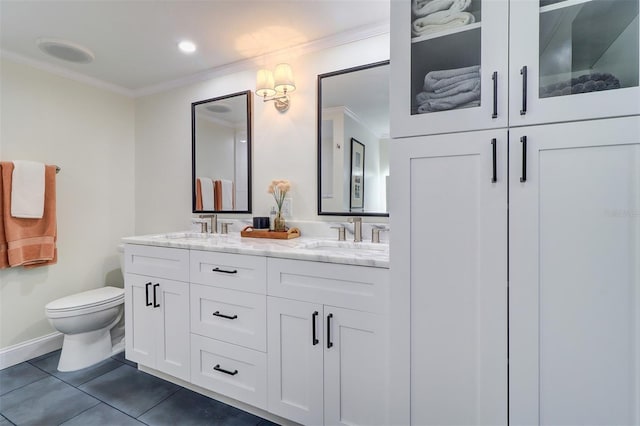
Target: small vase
[278,223]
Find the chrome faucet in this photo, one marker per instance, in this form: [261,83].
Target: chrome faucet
[357,228]
[213,229]
[341,232]
[375,233]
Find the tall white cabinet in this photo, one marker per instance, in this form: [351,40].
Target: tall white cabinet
[516,292]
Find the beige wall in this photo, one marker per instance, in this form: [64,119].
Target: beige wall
[284,145]
[88,132]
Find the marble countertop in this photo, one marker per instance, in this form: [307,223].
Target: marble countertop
[314,249]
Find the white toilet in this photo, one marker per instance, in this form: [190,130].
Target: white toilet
[88,321]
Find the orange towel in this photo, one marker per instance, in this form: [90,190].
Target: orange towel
[30,242]
[198,195]
[217,195]
[4,257]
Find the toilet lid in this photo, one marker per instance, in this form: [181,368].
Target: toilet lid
[86,299]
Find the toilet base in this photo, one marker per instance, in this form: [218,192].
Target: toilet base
[85,349]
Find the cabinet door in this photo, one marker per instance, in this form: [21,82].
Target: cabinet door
[294,360]
[581,60]
[574,292]
[449,280]
[355,368]
[140,324]
[172,325]
[433,87]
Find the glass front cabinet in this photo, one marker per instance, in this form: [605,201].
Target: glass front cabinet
[460,65]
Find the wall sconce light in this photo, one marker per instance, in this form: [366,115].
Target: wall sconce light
[276,86]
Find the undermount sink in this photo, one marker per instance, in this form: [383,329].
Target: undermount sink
[187,236]
[346,246]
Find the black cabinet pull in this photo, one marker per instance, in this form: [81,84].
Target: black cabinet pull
[314,337]
[523,141]
[155,304]
[146,293]
[222,370]
[523,72]
[494,177]
[329,342]
[235,271]
[494,77]
[218,314]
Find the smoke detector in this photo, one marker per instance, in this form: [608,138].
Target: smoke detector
[65,50]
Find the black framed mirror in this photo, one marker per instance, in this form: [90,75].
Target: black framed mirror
[221,133]
[353,119]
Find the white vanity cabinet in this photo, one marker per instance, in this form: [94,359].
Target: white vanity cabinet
[156,308]
[571,244]
[228,325]
[449,268]
[553,61]
[574,267]
[425,98]
[327,342]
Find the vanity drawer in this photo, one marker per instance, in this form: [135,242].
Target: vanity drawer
[161,262]
[230,370]
[354,287]
[232,271]
[232,316]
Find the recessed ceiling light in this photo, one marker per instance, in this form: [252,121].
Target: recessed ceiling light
[186,46]
[65,50]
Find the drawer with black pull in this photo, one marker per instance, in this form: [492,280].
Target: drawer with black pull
[230,370]
[232,271]
[232,316]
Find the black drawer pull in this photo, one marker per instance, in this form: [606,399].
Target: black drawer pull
[235,271]
[523,72]
[314,337]
[155,304]
[494,77]
[523,141]
[222,370]
[218,314]
[329,342]
[146,293]
[494,149]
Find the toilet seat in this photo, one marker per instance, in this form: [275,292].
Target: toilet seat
[85,302]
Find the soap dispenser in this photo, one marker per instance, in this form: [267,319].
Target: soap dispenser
[272,217]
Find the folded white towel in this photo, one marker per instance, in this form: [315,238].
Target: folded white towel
[27,190]
[459,100]
[441,21]
[442,74]
[433,85]
[427,7]
[464,86]
[206,184]
[227,194]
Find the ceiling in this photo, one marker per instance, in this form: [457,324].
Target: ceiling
[135,42]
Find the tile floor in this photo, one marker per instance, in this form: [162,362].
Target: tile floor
[113,392]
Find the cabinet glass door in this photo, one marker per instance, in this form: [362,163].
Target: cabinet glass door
[448,65]
[573,59]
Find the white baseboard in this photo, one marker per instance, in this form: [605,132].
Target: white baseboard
[25,351]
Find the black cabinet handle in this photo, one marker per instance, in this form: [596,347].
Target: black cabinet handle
[218,314]
[523,72]
[523,141]
[146,293]
[314,337]
[155,304]
[235,271]
[494,77]
[222,370]
[329,342]
[494,177]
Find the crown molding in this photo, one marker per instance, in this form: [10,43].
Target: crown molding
[350,36]
[66,73]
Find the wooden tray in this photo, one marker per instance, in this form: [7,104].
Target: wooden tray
[248,231]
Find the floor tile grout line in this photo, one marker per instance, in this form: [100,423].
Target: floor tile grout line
[27,384]
[161,401]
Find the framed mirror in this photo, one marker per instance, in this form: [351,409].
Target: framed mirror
[353,137]
[221,154]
